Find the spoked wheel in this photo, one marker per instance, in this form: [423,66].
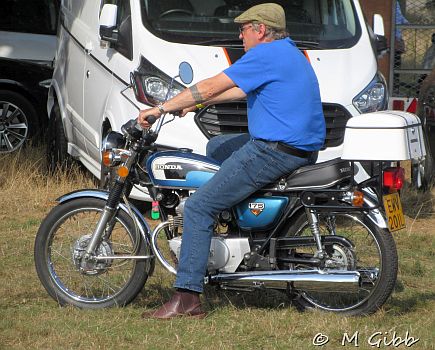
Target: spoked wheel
[373,255]
[69,278]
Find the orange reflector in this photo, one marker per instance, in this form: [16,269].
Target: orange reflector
[107,158]
[123,171]
[358,199]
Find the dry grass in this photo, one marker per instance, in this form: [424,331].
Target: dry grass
[30,319]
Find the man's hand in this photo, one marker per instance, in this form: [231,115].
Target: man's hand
[187,110]
[144,114]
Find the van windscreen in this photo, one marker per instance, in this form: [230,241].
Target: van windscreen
[321,24]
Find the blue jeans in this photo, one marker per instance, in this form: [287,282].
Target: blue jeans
[249,166]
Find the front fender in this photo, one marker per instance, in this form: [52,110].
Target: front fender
[143,226]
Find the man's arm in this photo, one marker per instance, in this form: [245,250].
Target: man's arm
[212,90]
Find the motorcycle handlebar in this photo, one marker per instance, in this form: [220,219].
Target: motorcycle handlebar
[133,128]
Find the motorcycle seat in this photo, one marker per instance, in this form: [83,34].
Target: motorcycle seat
[316,176]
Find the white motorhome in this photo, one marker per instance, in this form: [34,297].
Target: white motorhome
[89,94]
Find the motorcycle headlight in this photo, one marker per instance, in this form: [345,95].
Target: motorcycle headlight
[112,140]
[374,97]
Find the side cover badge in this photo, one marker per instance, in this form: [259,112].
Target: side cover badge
[256,208]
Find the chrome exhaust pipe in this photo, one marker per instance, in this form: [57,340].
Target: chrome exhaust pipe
[307,280]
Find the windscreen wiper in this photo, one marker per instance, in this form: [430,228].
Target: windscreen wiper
[302,44]
[220,42]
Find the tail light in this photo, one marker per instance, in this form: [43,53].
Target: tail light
[393,178]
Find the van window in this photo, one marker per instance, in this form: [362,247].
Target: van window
[24,16]
[312,23]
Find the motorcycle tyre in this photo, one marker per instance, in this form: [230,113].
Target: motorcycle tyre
[142,268]
[388,275]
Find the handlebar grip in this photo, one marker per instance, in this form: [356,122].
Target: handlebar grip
[151,119]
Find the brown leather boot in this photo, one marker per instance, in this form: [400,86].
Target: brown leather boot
[181,304]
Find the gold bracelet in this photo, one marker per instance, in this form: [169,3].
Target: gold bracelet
[200,106]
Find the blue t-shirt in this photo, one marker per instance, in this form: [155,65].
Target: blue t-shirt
[283,95]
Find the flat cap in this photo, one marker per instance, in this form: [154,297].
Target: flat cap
[269,13]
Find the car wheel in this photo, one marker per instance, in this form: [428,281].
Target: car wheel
[18,121]
[57,145]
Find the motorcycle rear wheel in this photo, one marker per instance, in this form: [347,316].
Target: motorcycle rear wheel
[374,255]
[62,239]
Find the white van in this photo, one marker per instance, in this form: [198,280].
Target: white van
[89,94]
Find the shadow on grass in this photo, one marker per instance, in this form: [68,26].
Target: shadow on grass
[154,295]
[407,304]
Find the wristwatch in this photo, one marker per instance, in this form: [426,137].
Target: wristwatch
[160,108]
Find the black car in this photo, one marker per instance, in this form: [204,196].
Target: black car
[426,112]
[27,49]
[23,101]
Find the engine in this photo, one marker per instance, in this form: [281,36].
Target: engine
[226,251]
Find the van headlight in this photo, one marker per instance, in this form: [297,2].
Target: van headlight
[152,90]
[374,97]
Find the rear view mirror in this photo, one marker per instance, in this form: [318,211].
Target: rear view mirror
[108,29]
[185,72]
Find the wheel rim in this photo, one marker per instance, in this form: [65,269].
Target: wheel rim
[13,127]
[99,283]
[368,261]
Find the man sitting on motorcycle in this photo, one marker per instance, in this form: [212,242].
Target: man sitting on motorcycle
[286,129]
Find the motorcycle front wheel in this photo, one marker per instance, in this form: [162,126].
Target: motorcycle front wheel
[373,255]
[61,242]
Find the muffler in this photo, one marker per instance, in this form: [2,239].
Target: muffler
[307,280]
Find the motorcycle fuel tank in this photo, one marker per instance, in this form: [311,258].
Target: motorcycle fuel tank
[180,169]
[260,212]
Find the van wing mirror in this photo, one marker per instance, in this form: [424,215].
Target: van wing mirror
[378,25]
[108,29]
[379,31]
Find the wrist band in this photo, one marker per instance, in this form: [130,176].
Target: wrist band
[200,106]
[160,108]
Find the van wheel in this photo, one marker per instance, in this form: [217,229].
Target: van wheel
[422,172]
[57,145]
[18,121]
[107,175]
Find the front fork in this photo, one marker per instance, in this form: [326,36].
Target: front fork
[109,211]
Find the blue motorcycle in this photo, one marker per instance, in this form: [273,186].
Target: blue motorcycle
[315,234]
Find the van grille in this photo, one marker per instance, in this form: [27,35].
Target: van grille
[232,118]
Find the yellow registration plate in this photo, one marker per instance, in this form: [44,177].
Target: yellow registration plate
[394,211]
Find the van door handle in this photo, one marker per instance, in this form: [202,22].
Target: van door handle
[88,74]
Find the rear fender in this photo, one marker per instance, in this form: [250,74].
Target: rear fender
[375,215]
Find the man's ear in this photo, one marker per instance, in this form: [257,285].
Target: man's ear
[261,31]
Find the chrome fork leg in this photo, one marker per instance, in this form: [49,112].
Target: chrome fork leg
[106,216]
[315,230]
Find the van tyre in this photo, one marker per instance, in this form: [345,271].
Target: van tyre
[18,121]
[374,252]
[57,145]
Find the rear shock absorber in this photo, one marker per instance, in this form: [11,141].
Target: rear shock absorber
[315,231]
